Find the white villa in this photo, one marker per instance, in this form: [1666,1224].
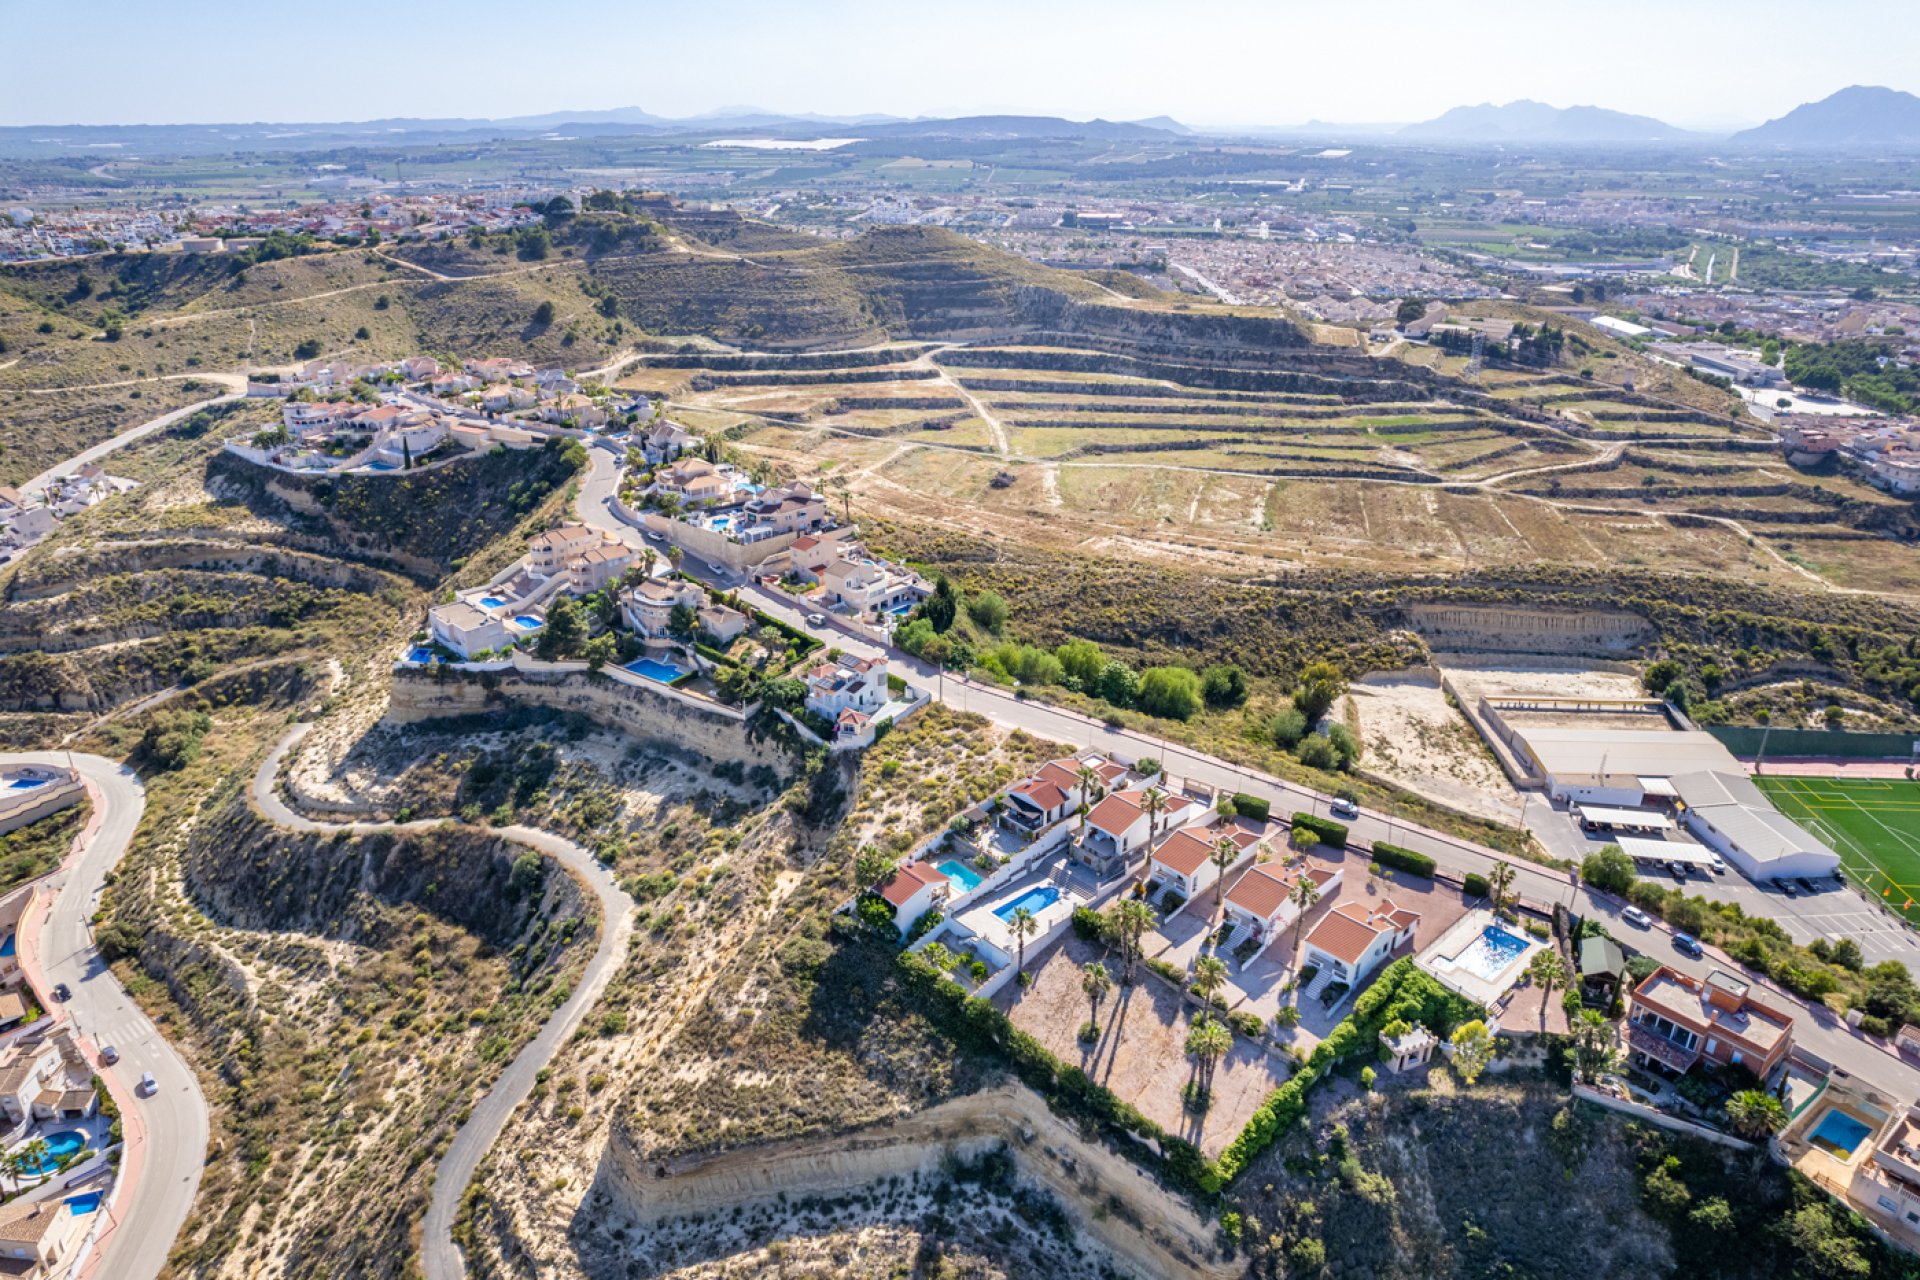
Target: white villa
[50,1080]
[1119,827]
[648,607]
[666,441]
[912,890]
[862,585]
[467,629]
[1353,939]
[1031,806]
[1184,861]
[1262,901]
[37,1237]
[851,684]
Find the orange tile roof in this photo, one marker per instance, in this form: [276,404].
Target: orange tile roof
[908,880]
[1115,814]
[1349,929]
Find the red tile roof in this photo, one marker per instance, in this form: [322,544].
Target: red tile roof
[908,880]
[1349,929]
[1116,813]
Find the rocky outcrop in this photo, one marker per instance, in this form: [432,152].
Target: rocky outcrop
[59,573]
[1145,1230]
[439,693]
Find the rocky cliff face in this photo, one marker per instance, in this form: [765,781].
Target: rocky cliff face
[436,694]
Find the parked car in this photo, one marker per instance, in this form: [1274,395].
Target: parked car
[1718,863]
[1786,887]
[1806,884]
[1687,944]
[654,534]
[148,1086]
[816,619]
[716,569]
[1679,870]
[63,992]
[1343,808]
[109,1055]
[1637,918]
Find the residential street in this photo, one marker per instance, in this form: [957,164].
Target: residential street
[166,1134]
[1817,1029]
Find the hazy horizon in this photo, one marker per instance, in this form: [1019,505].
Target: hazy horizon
[1233,64]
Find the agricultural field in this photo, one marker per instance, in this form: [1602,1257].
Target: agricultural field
[1873,823]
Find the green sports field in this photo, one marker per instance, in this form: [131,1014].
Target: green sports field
[1873,823]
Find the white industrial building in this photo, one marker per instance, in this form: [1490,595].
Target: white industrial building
[1725,811]
[1619,767]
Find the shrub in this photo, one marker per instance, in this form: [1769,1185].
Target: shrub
[1475,885]
[1172,693]
[1286,1017]
[1247,1024]
[1089,924]
[1367,1077]
[1392,855]
[1538,929]
[1251,806]
[1609,870]
[1648,896]
[1224,686]
[1171,972]
[1332,834]
[1876,1026]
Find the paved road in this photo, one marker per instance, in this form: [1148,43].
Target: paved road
[440,1257]
[166,1133]
[1820,915]
[125,438]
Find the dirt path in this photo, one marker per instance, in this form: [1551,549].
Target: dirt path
[440,1256]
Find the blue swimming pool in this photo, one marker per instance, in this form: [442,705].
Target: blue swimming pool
[491,602]
[86,1202]
[527,622]
[420,653]
[26,784]
[656,670]
[1491,954]
[7,947]
[1839,1133]
[1035,900]
[902,610]
[381,466]
[59,1146]
[965,878]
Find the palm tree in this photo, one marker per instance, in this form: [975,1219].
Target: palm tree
[1303,895]
[1226,851]
[675,555]
[1755,1113]
[35,1160]
[1209,975]
[648,558]
[1131,919]
[1096,982]
[1154,804]
[1499,883]
[843,487]
[1548,971]
[1208,1041]
[1024,926]
[1088,778]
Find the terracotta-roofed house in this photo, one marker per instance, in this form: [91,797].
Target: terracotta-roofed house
[1353,939]
[1033,804]
[912,890]
[1184,861]
[36,1238]
[1119,827]
[1262,903]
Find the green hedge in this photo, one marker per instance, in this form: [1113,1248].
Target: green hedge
[976,1025]
[712,654]
[1251,806]
[1402,992]
[1476,885]
[1332,834]
[1392,855]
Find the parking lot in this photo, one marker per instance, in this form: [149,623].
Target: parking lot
[1831,911]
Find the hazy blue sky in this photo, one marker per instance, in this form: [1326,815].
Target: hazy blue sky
[1692,62]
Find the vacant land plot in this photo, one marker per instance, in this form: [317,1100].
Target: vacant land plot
[1873,823]
[1414,738]
[1141,1052]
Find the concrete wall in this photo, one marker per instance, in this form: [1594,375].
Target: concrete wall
[705,544]
[46,800]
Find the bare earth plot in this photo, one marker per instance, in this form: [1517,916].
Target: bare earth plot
[1414,738]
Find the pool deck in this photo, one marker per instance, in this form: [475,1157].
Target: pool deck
[1436,959]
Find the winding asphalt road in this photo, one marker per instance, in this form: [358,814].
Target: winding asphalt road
[167,1133]
[440,1257]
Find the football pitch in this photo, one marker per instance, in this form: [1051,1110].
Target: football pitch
[1872,823]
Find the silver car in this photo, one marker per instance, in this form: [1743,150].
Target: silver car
[148,1085]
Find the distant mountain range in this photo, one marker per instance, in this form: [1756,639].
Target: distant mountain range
[1858,116]
[1528,121]
[202,139]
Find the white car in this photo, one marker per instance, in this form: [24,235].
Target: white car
[1637,918]
[109,1055]
[1719,865]
[816,619]
[1344,809]
[148,1086]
